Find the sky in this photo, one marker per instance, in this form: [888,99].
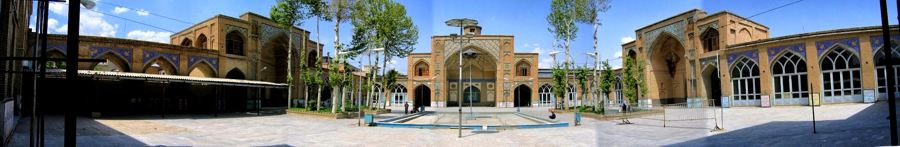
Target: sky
[525,19]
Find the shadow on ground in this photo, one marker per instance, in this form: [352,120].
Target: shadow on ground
[88,133]
[868,127]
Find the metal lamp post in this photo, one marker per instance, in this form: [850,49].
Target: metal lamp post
[585,63]
[470,54]
[461,23]
[369,53]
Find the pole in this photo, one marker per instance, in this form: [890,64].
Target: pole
[813,106]
[459,81]
[892,105]
[471,114]
[72,72]
[359,98]
[216,101]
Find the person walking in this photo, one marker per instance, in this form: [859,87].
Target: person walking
[406,108]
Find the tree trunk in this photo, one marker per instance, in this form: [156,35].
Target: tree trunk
[319,97]
[334,100]
[306,98]
[290,48]
[344,99]
[383,75]
[337,49]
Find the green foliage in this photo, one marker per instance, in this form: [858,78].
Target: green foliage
[386,25]
[289,13]
[317,8]
[581,74]
[390,80]
[559,84]
[335,78]
[359,43]
[563,16]
[633,79]
[592,9]
[607,79]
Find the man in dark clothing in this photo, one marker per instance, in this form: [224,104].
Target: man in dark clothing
[406,108]
[552,114]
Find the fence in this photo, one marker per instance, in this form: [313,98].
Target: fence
[695,110]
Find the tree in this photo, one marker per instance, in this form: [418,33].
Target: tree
[594,8]
[287,14]
[562,18]
[388,26]
[559,81]
[581,75]
[607,81]
[339,11]
[390,81]
[633,79]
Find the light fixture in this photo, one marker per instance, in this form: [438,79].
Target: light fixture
[89,4]
[453,35]
[553,53]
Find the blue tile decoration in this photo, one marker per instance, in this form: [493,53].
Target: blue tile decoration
[151,54]
[676,29]
[491,46]
[878,40]
[124,53]
[710,60]
[61,47]
[821,46]
[229,28]
[752,54]
[269,32]
[211,60]
[714,25]
[799,48]
[619,75]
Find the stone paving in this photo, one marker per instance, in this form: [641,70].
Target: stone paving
[838,125]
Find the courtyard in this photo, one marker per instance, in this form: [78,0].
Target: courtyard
[838,125]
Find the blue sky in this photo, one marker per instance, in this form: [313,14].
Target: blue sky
[526,19]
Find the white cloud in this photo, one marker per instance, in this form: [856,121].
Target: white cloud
[618,54]
[142,12]
[525,45]
[627,39]
[51,23]
[392,64]
[119,10]
[150,36]
[538,50]
[92,23]
[60,8]
[545,63]
[62,29]
[536,44]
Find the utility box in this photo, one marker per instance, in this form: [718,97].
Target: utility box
[577,117]
[369,119]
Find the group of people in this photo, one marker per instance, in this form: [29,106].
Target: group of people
[406,109]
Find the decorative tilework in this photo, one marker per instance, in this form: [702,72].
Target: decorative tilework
[799,48]
[491,46]
[151,54]
[229,28]
[269,32]
[629,49]
[526,58]
[752,54]
[714,25]
[124,53]
[821,46]
[876,41]
[211,60]
[61,47]
[676,29]
[710,60]
[619,75]
[427,59]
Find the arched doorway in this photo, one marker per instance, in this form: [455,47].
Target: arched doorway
[667,66]
[235,74]
[202,69]
[481,69]
[274,60]
[423,96]
[545,96]
[713,84]
[745,83]
[471,95]
[881,68]
[841,77]
[113,62]
[160,65]
[523,96]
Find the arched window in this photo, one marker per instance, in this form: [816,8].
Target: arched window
[399,96]
[201,41]
[522,69]
[234,43]
[789,77]
[376,97]
[421,69]
[745,80]
[186,42]
[620,95]
[880,66]
[545,96]
[571,95]
[711,40]
[840,73]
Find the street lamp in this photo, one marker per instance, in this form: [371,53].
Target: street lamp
[461,23]
[470,54]
[359,107]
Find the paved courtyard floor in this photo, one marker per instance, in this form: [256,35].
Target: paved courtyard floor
[837,125]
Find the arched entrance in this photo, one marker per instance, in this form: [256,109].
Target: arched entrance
[423,96]
[713,84]
[202,69]
[523,96]
[160,65]
[274,60]
[113,62]
[668,68]
[399,96]
[235,74]
[471,95]
[481,69]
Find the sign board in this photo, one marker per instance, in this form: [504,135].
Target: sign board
[725,102]
[868,95]
[814,99]
[764,101]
